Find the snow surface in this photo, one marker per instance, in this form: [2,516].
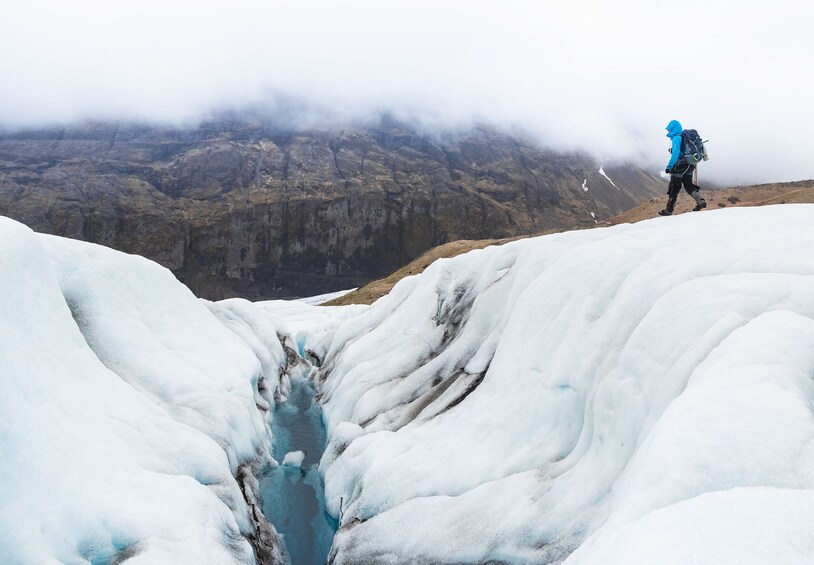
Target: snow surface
[310,325]
[127,411]
[585,185]
[643,393]
[323,298]
[636,394]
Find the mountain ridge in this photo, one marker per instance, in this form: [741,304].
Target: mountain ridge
[243,208]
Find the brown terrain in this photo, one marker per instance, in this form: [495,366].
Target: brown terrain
[800,192]
[374,290]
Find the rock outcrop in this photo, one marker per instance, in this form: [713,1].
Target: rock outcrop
[240,208]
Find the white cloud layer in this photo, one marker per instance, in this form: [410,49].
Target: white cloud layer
[603,77]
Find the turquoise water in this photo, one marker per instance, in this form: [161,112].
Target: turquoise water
[293,497]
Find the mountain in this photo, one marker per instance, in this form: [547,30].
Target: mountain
[238,207]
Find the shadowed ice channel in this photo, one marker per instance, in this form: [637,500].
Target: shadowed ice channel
[293,496]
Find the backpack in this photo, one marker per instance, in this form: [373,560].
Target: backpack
[692,147]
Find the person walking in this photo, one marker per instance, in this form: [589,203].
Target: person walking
[680,172]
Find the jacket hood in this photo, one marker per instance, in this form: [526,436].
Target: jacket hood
[674,128]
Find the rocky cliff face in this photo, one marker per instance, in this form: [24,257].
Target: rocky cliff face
[242,209]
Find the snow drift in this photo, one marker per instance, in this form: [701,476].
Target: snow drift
[636,394]
[132,418]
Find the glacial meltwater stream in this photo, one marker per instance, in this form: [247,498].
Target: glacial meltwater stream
[293,494]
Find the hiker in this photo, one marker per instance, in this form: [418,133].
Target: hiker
[680,172]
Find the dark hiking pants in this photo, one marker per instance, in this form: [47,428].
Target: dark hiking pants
[682,176]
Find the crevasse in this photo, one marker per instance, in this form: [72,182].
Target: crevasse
[292,494]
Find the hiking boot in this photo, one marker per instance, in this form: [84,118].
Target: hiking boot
[665,213]
[700,206]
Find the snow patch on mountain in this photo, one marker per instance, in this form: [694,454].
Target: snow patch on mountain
[604,174]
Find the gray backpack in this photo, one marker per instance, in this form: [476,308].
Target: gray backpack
[692,147]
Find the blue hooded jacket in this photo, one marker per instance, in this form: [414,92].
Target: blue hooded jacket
[674,130]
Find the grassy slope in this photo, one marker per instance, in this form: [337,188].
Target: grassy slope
[759,195]
[378,288]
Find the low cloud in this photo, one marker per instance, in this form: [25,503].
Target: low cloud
[601,77]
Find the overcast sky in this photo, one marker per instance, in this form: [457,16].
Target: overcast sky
[599,76]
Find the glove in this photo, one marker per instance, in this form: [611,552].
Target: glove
[668,170]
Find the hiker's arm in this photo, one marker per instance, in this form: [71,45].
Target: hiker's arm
[675,151]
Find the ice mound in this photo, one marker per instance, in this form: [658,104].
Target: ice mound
[636,394]
[294,458]
[127,409]
[613,390]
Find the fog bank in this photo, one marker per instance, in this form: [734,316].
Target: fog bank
[582,75]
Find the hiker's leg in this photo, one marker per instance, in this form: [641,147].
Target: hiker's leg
[672,193]
[699,200]
[686,180]
[693,189]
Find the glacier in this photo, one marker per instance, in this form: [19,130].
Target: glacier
[642,393]
[133,419]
